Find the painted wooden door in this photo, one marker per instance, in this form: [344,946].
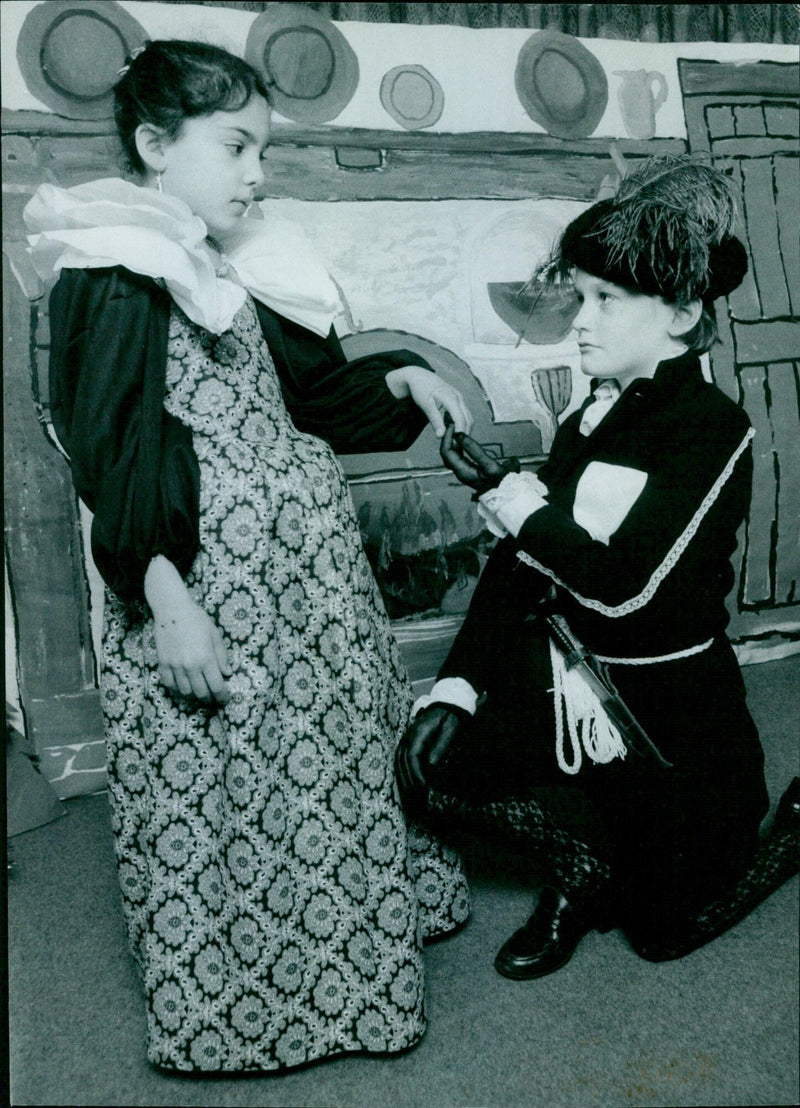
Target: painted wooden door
[747,117]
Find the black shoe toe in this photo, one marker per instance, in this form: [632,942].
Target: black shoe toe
[546,942]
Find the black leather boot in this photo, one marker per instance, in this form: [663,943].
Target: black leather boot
[549,938]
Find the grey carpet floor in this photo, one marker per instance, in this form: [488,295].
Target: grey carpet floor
[717,1028]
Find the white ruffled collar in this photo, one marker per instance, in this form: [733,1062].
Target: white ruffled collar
[115,222]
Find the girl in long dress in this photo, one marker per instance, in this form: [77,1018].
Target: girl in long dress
[276,901]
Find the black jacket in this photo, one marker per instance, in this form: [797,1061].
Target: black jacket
[133,464]
[657,588]
[660,583]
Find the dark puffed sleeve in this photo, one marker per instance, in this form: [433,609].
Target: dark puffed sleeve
[346,403]
[133,464]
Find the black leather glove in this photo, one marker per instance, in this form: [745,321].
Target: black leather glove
[424,745]
[471,464]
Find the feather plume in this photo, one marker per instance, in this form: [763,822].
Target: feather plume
[660,224]
[665,214]
[551,273]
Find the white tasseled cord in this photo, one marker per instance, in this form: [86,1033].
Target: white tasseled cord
[588,725]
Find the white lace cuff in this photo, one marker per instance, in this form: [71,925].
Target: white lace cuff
[450,690]
[506,508]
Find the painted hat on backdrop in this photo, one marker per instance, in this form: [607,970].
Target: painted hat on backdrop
[308,64]
[70,53]
[561,85]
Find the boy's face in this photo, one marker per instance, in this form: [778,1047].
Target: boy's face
[621,334]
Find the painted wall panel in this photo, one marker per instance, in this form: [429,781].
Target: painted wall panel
[416,226]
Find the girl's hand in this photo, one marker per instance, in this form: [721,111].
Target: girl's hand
[433,395]
[192,658]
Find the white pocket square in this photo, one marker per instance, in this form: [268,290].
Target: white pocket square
[604,496]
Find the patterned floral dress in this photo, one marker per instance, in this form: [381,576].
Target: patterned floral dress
[276,901]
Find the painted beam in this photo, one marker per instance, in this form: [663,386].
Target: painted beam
[42,123]
[760,78]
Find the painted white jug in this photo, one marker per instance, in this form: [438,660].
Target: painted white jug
[640,94]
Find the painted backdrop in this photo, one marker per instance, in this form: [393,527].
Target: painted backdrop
[433,167]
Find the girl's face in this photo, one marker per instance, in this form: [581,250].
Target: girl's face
[621,334]
[216,163]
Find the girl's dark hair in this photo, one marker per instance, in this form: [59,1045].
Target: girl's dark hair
[170,81]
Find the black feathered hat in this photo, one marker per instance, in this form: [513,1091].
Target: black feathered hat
[667,232]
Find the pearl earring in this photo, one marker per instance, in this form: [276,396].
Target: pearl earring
[158,181]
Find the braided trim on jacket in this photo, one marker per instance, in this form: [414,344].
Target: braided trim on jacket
[681,543]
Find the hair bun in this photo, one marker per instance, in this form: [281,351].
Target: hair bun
[130,58]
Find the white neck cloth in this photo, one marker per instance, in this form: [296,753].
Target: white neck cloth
[114,222]
[605,397]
